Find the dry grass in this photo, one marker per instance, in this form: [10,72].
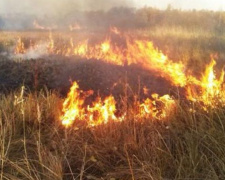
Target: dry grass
[35,146]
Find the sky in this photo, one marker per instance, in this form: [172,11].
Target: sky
[58,6]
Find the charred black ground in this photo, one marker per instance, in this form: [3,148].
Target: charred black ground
[58,73]
[189,144]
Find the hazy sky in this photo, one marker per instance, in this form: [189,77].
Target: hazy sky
[57,6]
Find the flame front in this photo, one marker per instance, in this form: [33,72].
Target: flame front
[100,112]
[144,53]
[208,89]
[139,52]
[158,107]
[72,106]
[103,111]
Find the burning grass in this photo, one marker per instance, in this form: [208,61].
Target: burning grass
[34,144]
[132,111]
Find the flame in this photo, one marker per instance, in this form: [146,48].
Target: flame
[72,106]
[40,27]
[105,46]
[74,27]
[100,112]
[139,52]
[51,44]
[81,49]
[103,111]
[143,52]
[115,30]
[210,85]
[158,107]
[19,47]
[145,90]
[209,90]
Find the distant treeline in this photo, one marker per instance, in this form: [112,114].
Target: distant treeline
[122,17]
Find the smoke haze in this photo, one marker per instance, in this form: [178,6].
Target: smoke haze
[56,7]
[20,14]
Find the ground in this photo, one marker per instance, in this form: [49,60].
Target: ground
[187,144]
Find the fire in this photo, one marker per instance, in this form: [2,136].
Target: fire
[74,27]
[41,27]
[38,26]
[51,44]
[72,106]
[115,30]
[19,47]
[145,90]
[143,53]
[139,52]
[105,51]
[81,49]
[102,111]
[210,85]
[105,46]
[158,107]
[209,90]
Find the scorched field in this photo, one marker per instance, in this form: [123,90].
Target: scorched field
[115,102]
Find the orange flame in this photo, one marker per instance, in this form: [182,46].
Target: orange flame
[136,52]
[81,49]
[143,53]
[208,90]
[51,44]
[19,47]
[100,112]
[72,106]
[159,107]
[103,111]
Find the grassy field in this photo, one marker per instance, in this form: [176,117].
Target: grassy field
[188,144]
[34,145]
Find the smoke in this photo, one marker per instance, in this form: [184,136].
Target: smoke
[39,51]
[20,14]
[58,7]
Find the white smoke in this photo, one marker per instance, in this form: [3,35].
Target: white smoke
[62,7]
[58,7]
[38,51]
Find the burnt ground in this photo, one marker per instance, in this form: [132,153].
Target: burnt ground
[57,73]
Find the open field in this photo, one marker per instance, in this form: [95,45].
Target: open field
[166,112]
[34,145]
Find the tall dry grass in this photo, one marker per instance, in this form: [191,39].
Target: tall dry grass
[34,145]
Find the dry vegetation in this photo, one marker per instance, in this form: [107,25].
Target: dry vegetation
[34,145]
[186,145]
